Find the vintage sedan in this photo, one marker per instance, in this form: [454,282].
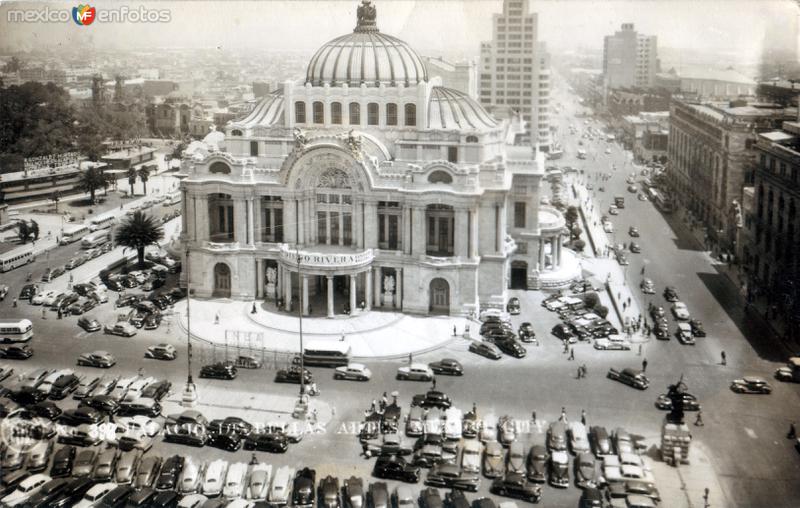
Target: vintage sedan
[161,352]
[395,468]
[415,372]
[630,377]
[99,359]
[635,248]
[586,474]
[353,371]
[89,324]
[452,477]
[121,329]
[537,463]
[447,366]
[684,334]
[697,328]
[680,311]
[486,349]
[559,469]
[690,402]
[751,384]
[670,294]
[292,375]
[648,287]
[147,472]
[609,345]
[517,486]
[633,231]
[16,352]
[493,460]
[432,398]
[218,371]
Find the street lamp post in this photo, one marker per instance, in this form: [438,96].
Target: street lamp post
[300,316]
[189,398]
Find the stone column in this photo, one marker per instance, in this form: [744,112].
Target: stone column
[250,222]
[461,235]
[201,230]
[418,231]
[376,295]
[259,278]
[257,224]
[398,289]
[288,290]
[300,218]
[560,247]
[289,219]
[305,295]
[330,296]
[353,290]
[541,253]
[370,225]
[240,220]
[186,213]
[474,248]
[406,231]
[357,222]
[368,289]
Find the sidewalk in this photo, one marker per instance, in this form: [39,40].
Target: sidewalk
[375,335]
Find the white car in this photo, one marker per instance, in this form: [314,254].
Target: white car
[611,469]
[214,477]
[607,344]
[136,432]
[281,485]
[433,422]
[354,371]
[121,388]
[135,389]
[192,501]
[39,299]
[234,480]
[189,481]
[471,456]
[415,372]
[94,495]
[578,438]
[48,382]
[25,490]
[608,227]
[258,486]
[240,503]
[453,420]
[489,428]
[680,311]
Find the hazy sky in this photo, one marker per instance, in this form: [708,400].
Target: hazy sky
[430,26]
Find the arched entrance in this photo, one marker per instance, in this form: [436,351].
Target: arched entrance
[222,281]
[439,297]
[519,275]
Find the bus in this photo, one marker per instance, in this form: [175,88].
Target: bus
[325,353]
[17,257]
[660,199]
[16,330]
[95,239]
[73,234]
[102,221]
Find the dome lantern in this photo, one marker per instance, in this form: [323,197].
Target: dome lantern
[366,16]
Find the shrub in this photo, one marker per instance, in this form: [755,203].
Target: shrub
[601,311]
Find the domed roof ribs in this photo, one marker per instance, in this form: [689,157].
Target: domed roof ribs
[398,49]
[388,55]
[334,75]
[374,43]
[459,115]
[330,48]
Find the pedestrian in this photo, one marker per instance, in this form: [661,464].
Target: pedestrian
[705,497]
[454,330]
[563,414]
[44,313]
[724,358]
[374,405]
[572,353]
[314,415]
[253,460]
[644,362]
[624,306]
[141,372]
[60,314]
[566,347]
[433,382]
[341,339]
[533,417]
[14,302]
[699,421]
[640,350]
[410,358]
[585,370]
[254,308]
[583,417]
[792,431]
[216,318]
[642,270]
[580,372]
[629,301]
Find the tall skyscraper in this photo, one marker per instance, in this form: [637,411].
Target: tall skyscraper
[515,70]
[630,59]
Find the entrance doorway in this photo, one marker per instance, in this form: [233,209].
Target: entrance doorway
[222,281]
[439,295]
[519,275]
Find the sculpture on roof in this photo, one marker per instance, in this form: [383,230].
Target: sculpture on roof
[366,15]
[354,144]
[300,139]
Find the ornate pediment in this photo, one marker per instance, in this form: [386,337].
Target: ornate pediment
[334,178]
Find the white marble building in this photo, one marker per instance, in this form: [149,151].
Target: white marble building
[394,191]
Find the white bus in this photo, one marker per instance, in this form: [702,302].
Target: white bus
[16,257]
[19,330]
[326,353]
[95,239]
[103,221]
[73,234]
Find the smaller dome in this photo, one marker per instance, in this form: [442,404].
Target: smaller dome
[268,111]
[451,109]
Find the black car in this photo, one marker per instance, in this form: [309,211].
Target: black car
[105,403]
[592,498]
[329,493]
[563,332]
[267,442]
[582,332]
[496,325]
[63,386]
[671,294]
[166,499]
[81,415]
[511,347]
[47,493]
[218,371]
[62,462]
[228,441]
[456,499]
[512,307]
[161,301]
[537,464]
[113,285]
[517,486]
[452,476]
[16,352]
[447,366]
[430,498]
[46,409]
[142,497]
[28,291]
[176,294]
[72,493]
[11,481]
[394,467]
[303,493]
[661,331]
[170,471]
[230,424]
[690,402]
[27,395]
[630,377]
[526,332]
[292,375]
[128,300]
[432,398]
[498,333]
[697,328]
[117,497]
[157,390]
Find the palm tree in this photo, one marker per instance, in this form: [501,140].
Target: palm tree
[91,180]
[144,175]
[138,232]
[131,178]
[34,229]
[23,231]
[55,198]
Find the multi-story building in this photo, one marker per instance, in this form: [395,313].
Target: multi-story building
[461,76]
[630,59]
[711,159]
[772,254]
[515,70]
[368,182]
[707,83]
[646,134]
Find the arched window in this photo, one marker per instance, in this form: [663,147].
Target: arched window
[355,113]
[440,176]
[319,112]
[219,167]
[300,112]
[336,113]
[236,132]
[391,114]
[372,113]
[411,115]
[472,139]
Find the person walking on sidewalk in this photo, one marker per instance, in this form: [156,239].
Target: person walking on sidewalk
[44,313]
[640,350]
[454,330]
[724,358]
[792,431]
[584,371]
[571,353]
[579,374]
[566,347]
[699,421]
[14,303]
[583,417]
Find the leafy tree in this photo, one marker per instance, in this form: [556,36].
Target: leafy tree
[132,178]
[591,300]
[23,231]
[109,180]
[91,180]
[34,229]
[37,120]
[571,216]
[55,198]
[601,310]
[12,65]
[144,175]
[575,232]
[579,245]
[138,232]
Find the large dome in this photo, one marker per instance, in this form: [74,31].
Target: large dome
[366,56]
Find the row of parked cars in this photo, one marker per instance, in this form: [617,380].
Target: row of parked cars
[498,335]
[579,322]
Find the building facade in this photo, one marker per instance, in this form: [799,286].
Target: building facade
[515,70]
[706,83]
[630,59]
[646,134]
[461,76]
[711,160]
[368,185]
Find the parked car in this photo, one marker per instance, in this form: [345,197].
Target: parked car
[127,464]
[161,352]
[559,469]
[100,359]
[452,477]
[157,390]
[62,462]
[517,486]
[432,398]
[95,494]
[303,491]
[648,287]
[272,442]
[430,498]
[486,349]
[670,294]
[563,332]
[395,467]
[751,384]
[493,459]
[415,372]
[578,438]
[104,465]
[630,377]
[218,371]
[447,366]
[537,463]
[84,463]
[557,436]
[169,473]
[697,328]
[354,371]
[16,352]
[292,375]
[680,311]
[121,329]
[600,441]
[259,481]
[329,496]
[513,306]
[526,332]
